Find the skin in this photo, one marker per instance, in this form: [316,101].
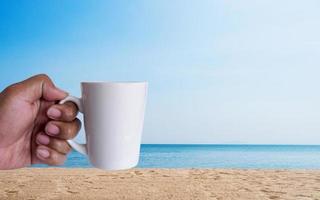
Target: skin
[33,127]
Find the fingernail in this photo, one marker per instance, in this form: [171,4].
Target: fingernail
[43,139]
[52,129]
[43,153]
[54,112]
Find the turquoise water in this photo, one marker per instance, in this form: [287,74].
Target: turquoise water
[221,156]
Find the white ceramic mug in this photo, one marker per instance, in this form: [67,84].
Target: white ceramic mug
[113,120]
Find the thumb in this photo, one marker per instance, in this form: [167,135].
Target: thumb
[40,86]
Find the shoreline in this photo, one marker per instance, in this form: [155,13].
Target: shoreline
[156,183]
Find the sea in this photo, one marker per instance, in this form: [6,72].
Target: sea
[218,156]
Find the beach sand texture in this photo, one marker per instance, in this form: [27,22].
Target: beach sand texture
[140,184]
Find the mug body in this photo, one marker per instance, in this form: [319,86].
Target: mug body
[113,120]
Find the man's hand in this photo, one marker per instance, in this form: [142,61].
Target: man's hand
[33,127]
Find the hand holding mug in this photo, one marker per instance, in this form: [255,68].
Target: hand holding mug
[33,128]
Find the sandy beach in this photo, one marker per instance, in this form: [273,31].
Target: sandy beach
[57,183]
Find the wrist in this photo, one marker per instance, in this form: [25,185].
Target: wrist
[14,156]
[5,158]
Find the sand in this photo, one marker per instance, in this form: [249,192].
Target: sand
[140,184]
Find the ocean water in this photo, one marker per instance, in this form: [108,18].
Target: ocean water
[220,156]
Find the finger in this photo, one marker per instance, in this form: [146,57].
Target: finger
[63,130]
[58,145]
[36,87]
[50,156]
[63,112]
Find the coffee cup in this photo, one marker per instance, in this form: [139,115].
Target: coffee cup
[113,114]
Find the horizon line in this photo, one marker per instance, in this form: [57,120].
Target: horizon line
[251,144]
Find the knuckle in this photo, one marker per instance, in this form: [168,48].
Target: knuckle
[69,131]
[57,159]
[42,76]
[11,89]
[58,145]
[54,156]
[69,112]
[62,147]
[67,148]
[71,105]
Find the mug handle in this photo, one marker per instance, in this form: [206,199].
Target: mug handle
[81,148]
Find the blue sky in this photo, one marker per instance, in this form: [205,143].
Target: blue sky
[219,71]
